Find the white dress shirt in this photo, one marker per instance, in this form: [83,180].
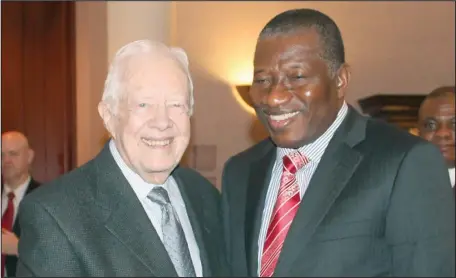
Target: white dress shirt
[153,210]
[452,178]
[314,151]
[19,193]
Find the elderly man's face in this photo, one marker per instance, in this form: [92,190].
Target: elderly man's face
[152,129]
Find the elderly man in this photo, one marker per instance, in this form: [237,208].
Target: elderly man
[436,123]
[131,211]
[17,157]
[331,193]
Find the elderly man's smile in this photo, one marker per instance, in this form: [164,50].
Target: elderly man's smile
[157,143]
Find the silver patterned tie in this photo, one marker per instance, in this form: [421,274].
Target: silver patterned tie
[173,235]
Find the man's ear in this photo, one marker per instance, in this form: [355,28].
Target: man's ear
[342,80]
[30,156]
[107,116]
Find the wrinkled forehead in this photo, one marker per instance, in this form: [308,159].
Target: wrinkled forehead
[154,72]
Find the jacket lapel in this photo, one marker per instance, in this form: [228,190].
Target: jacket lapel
[335,169]
[194,212]
[258,183]
[126,219]
[30,187]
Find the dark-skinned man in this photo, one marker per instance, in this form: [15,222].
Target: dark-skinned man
[330,192]
[436,124]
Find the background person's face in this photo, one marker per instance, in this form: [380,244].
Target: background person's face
[437,125]
[293,94]
[153,125]
[16,158]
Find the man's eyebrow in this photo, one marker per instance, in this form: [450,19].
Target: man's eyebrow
[430,118]
[258,71]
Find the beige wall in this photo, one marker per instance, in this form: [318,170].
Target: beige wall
[134,20]
[91,61]
[404,47]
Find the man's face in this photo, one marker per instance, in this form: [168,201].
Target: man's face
[152,128]
[437,124]
[16,158]
[292,91]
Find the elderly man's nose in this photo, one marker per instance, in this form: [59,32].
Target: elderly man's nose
[160,118]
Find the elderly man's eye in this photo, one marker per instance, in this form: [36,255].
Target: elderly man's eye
[175,105]
[142,105]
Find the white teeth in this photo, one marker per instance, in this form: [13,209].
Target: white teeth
[156,143]
[283,116]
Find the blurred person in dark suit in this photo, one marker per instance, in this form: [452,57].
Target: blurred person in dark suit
[436,124]
[17,157]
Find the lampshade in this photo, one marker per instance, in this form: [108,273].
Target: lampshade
[243,91]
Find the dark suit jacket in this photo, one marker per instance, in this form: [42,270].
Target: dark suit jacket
[379,204]
[11,261]
[90,223]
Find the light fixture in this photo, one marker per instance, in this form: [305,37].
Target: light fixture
[243,91]
[243,98]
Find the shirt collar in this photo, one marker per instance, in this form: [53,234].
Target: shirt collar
[19,192]
[451,171]
[140,187]
[314,151]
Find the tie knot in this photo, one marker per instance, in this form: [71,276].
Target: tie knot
[159,195]
[294,161]
[11,196]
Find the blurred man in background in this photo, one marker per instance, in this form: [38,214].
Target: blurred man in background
[17,157]
[436,123]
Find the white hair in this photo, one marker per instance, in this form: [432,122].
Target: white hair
[114,84]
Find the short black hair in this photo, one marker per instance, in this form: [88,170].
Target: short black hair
[441,91]
[295,20]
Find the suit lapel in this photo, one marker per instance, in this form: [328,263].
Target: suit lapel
[195,212]
[260,176]
[30,187]
[335,169]
[126,218]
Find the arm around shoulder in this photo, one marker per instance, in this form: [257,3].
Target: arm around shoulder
[44,249]
[420,221]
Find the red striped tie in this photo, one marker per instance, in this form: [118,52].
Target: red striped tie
[7,223]
[285,209]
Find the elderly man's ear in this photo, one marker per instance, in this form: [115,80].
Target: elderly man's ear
[108,117]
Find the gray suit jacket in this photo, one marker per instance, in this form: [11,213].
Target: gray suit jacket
[379,204]
[89,222]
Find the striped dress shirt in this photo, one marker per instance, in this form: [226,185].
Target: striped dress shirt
[314,151]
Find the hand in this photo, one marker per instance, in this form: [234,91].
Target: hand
[9,243]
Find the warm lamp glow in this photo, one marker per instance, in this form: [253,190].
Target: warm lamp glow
[242,74]
[241,93]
